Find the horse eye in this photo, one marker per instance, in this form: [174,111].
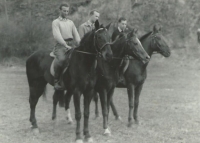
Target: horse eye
[135,44]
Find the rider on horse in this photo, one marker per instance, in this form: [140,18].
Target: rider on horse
[89,25]
[120,29]
[64,31]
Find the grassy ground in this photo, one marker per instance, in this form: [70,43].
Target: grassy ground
[168,111]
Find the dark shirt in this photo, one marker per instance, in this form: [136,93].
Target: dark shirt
[116,33]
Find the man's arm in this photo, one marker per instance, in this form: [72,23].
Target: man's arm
[57,35]
[75,34]
[81,31]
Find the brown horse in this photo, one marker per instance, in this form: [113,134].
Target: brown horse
[108,72]
[79,78]
[136,73]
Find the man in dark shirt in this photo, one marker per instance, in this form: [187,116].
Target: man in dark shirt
[120,29]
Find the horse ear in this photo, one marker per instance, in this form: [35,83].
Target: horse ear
[135,30]
[96,24]
[156,28]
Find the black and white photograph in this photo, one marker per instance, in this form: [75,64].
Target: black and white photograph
[99,71]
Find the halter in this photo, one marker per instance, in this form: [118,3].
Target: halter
[153,37]
[96,46]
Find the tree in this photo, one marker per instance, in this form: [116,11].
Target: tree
[6,10]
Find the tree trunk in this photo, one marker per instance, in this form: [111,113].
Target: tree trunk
[6,10]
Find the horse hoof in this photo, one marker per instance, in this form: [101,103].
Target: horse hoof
[79,141]
[35,131]
[107,132]
[69,120]
[118,118]
[89,140]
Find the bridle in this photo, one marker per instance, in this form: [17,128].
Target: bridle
[97,48]
[154,43]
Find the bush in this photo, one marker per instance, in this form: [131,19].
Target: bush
[21,39]
[23,35]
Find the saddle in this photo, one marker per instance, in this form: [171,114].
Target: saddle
[124,65]
[122,69]
[68,57]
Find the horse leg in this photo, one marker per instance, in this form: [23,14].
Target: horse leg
[87,100]
[96,98]
[103,99]
[112,105]
[76,96]
[57,96]
[68,96]
[130,89]
[35,93]
[136,102]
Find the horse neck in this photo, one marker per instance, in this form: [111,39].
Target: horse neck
[88,47]
[109,68]
[146,43]
[118,49]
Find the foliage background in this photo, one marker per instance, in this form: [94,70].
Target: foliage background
[25,25]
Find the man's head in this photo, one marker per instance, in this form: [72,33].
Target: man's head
[64,10]
[122,23]
[94,15]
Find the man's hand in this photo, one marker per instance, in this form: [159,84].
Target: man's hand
[68,47]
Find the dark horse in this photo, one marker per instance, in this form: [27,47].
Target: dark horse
[136,73]
[108,72]
[79,78]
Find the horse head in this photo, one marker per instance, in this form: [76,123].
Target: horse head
[102,42]
[158,42]
[134,47]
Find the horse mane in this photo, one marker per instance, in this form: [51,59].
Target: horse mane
[145,36]
[86,38]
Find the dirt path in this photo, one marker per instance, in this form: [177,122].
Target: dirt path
[169,110]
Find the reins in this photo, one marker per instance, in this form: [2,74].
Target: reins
[86,52]
[117,58]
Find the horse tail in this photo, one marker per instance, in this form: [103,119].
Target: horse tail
[36,81]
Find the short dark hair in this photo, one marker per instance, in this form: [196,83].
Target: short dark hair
[92,11]
[121,19]
[63,4]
